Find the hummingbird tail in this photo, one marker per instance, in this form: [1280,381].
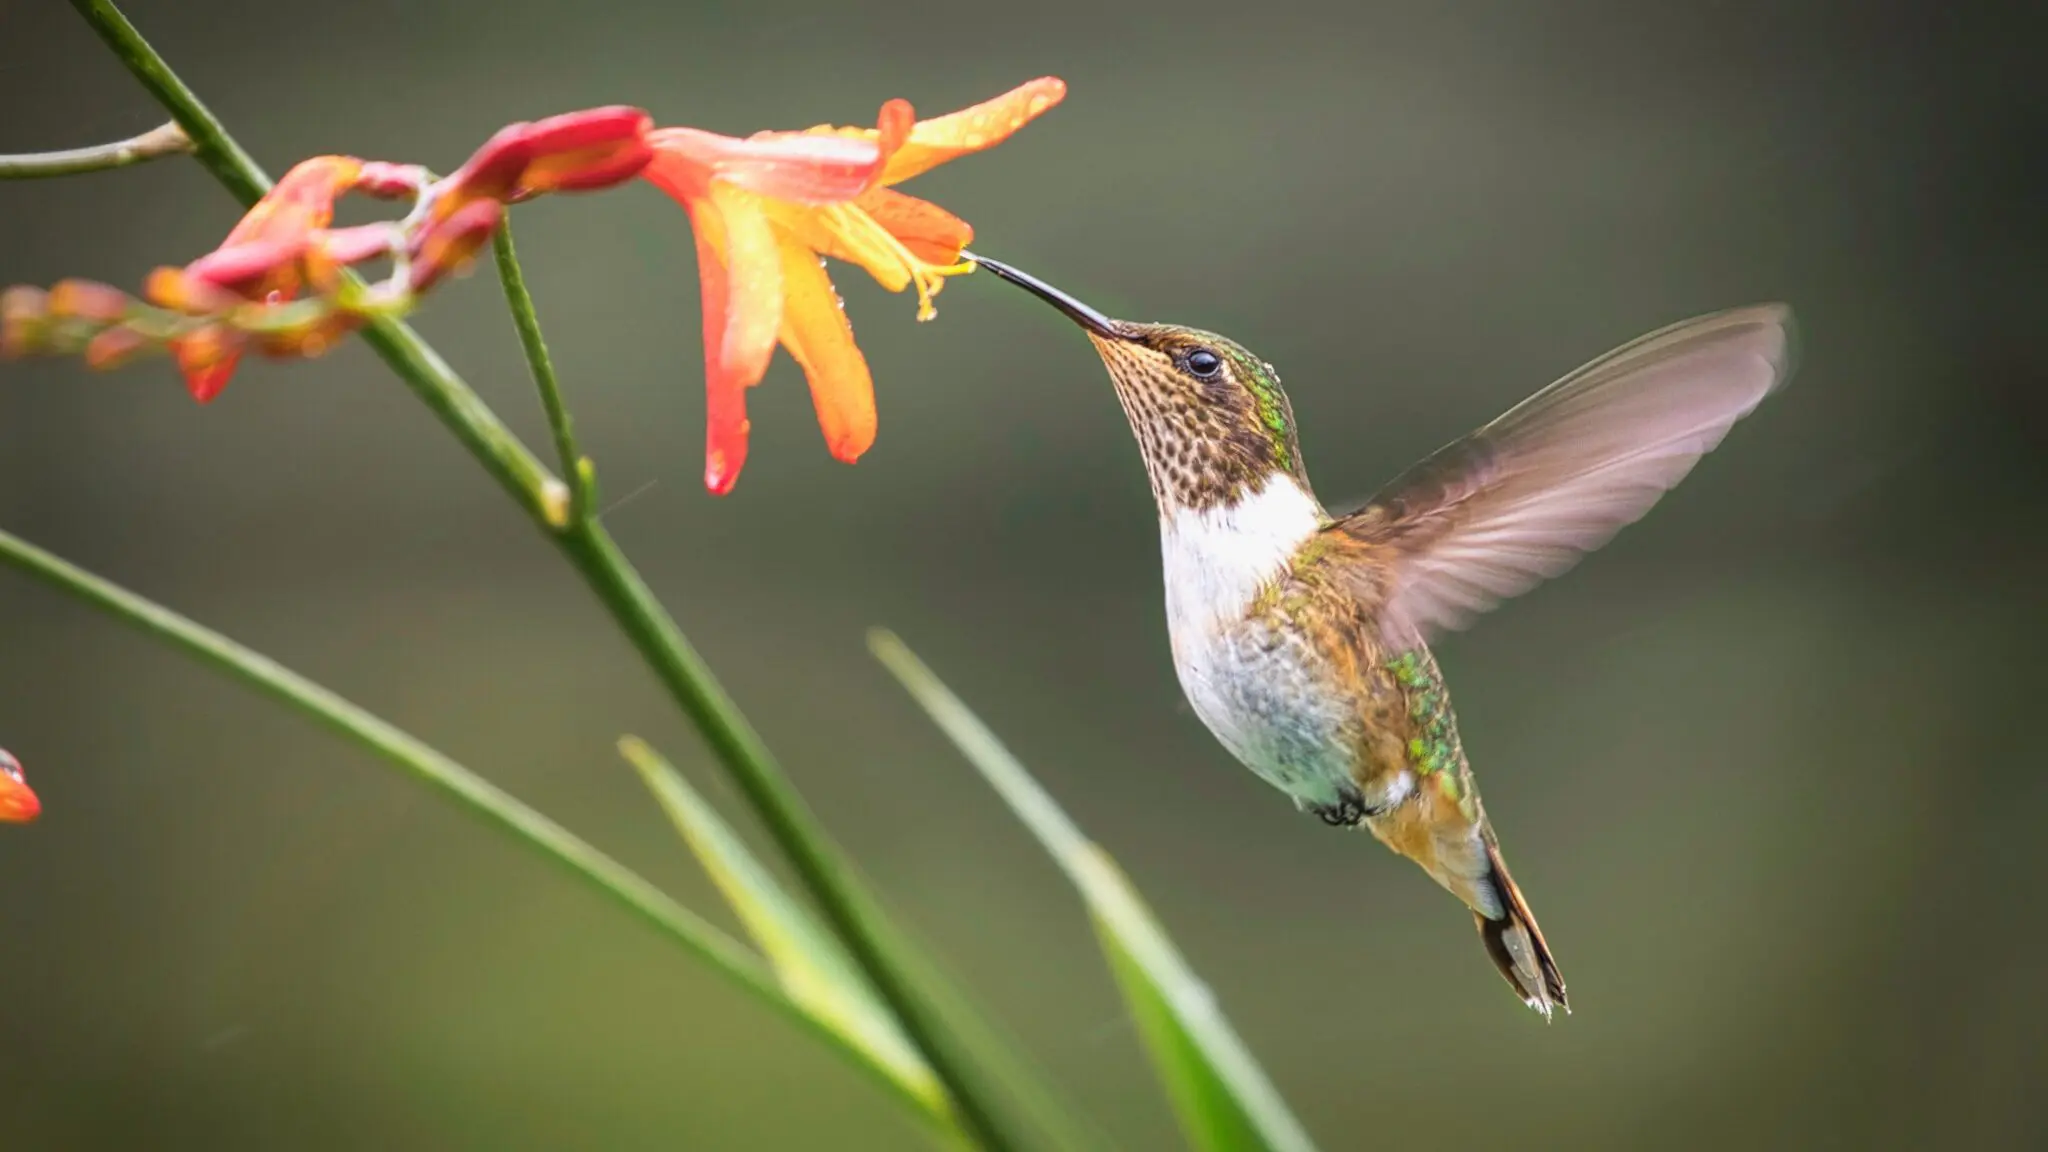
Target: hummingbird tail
[1516,943]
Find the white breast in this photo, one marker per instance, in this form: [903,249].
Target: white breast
[1252,687]
[1218,558]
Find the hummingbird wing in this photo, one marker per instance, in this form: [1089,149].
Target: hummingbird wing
[1494,514]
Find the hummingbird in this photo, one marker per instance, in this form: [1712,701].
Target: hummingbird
[1301,638]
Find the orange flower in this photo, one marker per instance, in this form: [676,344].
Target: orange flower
[18,805]
[764,209]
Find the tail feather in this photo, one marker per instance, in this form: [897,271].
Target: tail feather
[1516,943]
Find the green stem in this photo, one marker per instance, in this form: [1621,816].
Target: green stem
[575,469]
[853,915]
[472,792]
[210,141]
[162,140]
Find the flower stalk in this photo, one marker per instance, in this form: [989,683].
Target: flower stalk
[578,496]
[163,140]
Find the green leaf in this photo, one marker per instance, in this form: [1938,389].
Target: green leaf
[726,955]
[1224,1101]
[814,969]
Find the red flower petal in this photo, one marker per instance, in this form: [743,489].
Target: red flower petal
[115,347]
[589,128]
[585,150]
[250,266]
[18,804]
[584,170]
[449,245]
[785,165]
[725,396]
[300,202]
[340,248]
[387,181]
[492,170]
[208,358]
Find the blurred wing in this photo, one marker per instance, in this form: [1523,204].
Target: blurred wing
[1492,515]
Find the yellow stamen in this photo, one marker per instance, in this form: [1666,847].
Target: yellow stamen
[870,243]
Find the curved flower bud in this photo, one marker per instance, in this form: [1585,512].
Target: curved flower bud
[18,803]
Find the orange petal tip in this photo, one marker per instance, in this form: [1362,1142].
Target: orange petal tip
[893,125]
[23,310]
[973,129]
[87,300]
[851,450]
[207,359]
[176,289]
[18,803]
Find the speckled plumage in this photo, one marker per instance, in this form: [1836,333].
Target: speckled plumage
[1301,638]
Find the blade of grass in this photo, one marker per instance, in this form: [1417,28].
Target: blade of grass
[814,968]
[921,966]
[444,776]
[1223,1098]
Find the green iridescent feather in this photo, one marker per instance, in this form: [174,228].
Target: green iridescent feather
[1271,404]
[1435,746]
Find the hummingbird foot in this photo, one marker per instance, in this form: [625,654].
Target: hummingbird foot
[1349,811]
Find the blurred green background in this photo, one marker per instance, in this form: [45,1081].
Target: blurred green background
[1763,765]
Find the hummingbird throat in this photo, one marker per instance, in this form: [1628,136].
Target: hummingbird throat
[1206,442]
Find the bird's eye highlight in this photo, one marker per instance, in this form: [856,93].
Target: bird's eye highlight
[1204,363]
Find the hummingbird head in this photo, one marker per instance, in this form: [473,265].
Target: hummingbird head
[1210,417]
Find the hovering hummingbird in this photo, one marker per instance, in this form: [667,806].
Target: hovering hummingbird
[1301,638]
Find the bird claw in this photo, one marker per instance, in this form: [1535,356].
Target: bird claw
[1348,812]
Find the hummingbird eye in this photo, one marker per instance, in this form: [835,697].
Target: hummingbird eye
[1204,363]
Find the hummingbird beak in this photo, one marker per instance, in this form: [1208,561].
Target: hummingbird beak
[1076,311]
